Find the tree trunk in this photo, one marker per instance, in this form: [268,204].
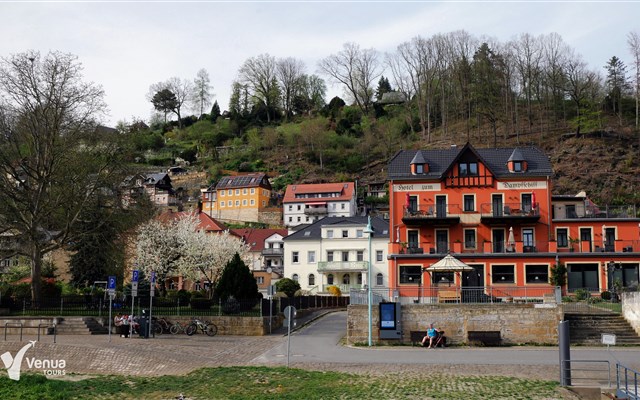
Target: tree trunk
[36,275]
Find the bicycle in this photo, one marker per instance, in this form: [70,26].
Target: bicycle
[164,325]
[206,327]
[177,328]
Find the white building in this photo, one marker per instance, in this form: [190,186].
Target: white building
[335,251]
[308,203]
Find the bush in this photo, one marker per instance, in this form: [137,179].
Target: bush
[582,294]
[288,286]
[334,290]
[606,295]
[182,295]
[201,304]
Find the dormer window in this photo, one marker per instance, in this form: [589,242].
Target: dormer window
[418,165]
[517,166]
[419,169]
[516,162]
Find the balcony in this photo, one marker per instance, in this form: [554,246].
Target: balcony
[580,211]
[274,252]
[343,266]
[508,214]
[426,215]
[316,210]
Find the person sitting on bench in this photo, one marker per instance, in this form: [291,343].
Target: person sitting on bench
[432,334]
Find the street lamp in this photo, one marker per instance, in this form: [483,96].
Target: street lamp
[369,230]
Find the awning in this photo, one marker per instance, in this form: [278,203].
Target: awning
[449,264]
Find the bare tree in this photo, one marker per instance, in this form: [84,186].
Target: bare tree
[581,85]
[53,163]
[356,69]
[633,40]
[259,74]
[289,72]
[526,52]
[181,89]
[202,91]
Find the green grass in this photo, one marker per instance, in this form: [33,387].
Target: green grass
[278,383]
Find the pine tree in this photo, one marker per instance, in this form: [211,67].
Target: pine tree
[237,281]
[215,112]
[383,87]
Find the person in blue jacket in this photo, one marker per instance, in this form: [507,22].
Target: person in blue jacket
[432,334]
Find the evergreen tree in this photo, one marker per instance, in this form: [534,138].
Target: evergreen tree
[617,83]
[287,286]
[215,112]
[383,87]
[237,281]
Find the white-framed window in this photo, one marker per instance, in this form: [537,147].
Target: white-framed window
[345,233]
[222,193]
[330,279]
[290,207]
[562,237]
[330,256]
[230,192]
[253,202]
[264,203]
[470,241]
[253,190]
[237,192]
[360,255]
[379,279]
[536,273]
[469,202]
[222,203]
[244,191]
[260,280]
[295,257]
[379,255]
[503,274]
[330,233]
[359,233]
[311,257]
[312,279]
[244,202]
[345,255]
[295,277]
[237,203]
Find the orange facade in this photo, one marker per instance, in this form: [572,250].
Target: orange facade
[494,210]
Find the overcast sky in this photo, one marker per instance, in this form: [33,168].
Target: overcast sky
[127,46]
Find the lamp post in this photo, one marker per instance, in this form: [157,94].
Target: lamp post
[369,230]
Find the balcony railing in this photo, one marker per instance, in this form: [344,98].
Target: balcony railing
[579,211]
[347,266]
[502,294]
[276,251]
[315,211]
[425,210]
[509,210]
[517,247]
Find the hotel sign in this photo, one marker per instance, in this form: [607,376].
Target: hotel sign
[522,185]
[418,187]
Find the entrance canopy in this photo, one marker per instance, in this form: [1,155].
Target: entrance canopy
[449,264]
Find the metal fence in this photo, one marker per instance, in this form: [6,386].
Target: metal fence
[453,294]
[627,383]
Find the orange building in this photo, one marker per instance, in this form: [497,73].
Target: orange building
[238,198]
[494,210]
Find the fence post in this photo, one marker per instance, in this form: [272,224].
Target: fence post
[219,307]
[61,305]
[100,309]
[24,306]
[178,306]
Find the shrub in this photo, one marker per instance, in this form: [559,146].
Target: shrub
[582,294]
[606,295]
[288,286]
[201,304]
[334,290]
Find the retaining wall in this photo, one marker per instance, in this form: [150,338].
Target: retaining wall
[518,324]
[631,309]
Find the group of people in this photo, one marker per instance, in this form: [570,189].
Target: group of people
[435,337]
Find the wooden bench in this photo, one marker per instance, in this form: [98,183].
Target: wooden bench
[448,295]
[486,338]
[416,337]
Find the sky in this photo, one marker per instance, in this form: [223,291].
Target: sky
[127,46]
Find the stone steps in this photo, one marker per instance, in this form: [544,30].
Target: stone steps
[80,326]
[587,329]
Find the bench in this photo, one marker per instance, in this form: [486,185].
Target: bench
[416,337]
[486,338]
[448,295]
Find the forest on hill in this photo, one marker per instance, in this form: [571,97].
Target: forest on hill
[430,93]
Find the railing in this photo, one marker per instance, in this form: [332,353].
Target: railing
[327,266]
[468,295]
[316,210]
[429,210]
[279,251]
[580,211]
[627,383]
[303,303]
[344,287]
[509,210]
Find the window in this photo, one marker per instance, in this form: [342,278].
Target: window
[230,192]
[419,168]
[295,277]
[536,273]
[359,233]
[346,279]
[253,202]
[345,234]
[237,192]
[330,279]
[295,257]
[379,255]
[312,279]
[330,256]
[562,237]
[359,278]
[360,255]
[345,256]
[311,257]
[410,274]
[526,202]
[290,207]
[469,202]
[299,207]
[298,219]
[517,166]
[412,238]
[237,203]
[502,274]
[290,219]
[527,240]
[260,280]
[222,203]
[442,278]
[330,233]
[468,169]
[253,191]
[244,202]
[222,193]
[379,279]
[469,238]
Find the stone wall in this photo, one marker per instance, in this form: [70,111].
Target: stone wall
[518,324]
[241,326]
[631,309]
[30,325]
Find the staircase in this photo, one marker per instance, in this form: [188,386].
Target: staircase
[587,329]
[80,326]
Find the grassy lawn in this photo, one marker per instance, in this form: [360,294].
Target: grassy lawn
[278,383]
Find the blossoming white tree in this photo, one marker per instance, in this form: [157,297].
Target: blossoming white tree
[178,247]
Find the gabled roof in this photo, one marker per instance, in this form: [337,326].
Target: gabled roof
[345,191]
[206,223]
[255,238]
[152,179]
[244,181]
[314,231]
[442,160]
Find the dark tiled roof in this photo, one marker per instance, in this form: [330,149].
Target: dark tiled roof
[244,181]
[380,227]
[441,160]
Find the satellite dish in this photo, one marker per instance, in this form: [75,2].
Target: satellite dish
[269,269]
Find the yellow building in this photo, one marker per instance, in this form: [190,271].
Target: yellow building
[238,198]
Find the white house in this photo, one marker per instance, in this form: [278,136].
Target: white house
[335,251]
[308,203]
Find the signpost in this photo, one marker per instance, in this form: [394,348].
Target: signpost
[289,315]
[111,287]
[134,292]
[152,290]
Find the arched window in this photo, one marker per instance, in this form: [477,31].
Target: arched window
[379,280]
[312,279]
[346,279]
[330,279]
[295,277]
[359,278]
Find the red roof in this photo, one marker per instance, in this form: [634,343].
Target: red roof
[345,191]
[207,223]
[255,237]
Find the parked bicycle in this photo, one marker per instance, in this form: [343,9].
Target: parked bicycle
[177,328]
[163,324]
[206,327]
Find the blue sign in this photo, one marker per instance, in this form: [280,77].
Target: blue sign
[135,276]
[153,277]
[112,283]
